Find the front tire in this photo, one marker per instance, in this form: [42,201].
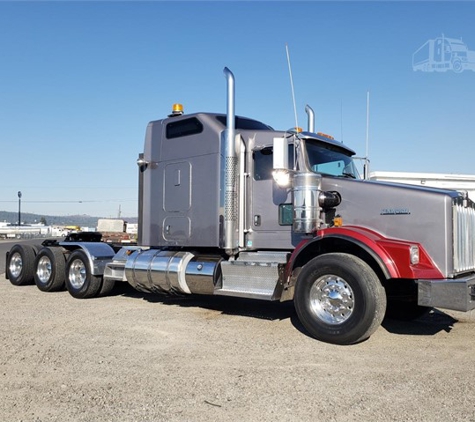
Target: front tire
[20,267]
[80,282]
[339,299]
[50,267]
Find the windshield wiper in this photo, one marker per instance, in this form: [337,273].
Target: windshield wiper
[349,175]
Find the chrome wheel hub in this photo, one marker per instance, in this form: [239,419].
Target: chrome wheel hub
[44,269]
[331,299]
[77,274]
[16,265]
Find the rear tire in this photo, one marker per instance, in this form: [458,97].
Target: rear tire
[20,268]
[106,287]
[37,248]
[80,283]
[339,299]
[50,266]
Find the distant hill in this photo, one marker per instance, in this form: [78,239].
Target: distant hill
[62,220]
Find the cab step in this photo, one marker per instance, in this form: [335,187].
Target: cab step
[253,275]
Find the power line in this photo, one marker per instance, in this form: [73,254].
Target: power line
[74,202]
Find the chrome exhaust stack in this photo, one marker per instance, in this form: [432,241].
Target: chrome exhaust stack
[311,118]
[230,184]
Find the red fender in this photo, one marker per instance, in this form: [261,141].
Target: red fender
[392,254]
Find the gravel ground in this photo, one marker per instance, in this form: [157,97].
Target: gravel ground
[133,357]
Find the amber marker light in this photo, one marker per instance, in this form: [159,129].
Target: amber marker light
[338,221]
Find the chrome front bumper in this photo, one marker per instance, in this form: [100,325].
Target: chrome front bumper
[455,294]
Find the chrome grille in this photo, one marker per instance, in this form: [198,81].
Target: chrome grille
[464,235]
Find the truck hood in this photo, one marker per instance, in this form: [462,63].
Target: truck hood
[398,211]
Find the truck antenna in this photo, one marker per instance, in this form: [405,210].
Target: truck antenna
[367,124]
[366,158]
[292,85]
[341,120]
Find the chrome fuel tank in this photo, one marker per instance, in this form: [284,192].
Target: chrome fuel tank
[162,271]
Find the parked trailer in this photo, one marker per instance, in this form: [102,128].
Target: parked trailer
[25,231]
[230,206]
[114,230]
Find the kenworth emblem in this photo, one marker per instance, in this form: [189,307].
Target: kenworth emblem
[395,211]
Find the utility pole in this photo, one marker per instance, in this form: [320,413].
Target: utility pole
[19,208]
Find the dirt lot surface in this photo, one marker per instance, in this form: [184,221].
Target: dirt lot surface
[132,357]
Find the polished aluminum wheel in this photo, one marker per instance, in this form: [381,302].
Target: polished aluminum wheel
[16,264]
[331,299]
[77,273]
[44,269]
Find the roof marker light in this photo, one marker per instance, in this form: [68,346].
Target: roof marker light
[177,110]
[326,136]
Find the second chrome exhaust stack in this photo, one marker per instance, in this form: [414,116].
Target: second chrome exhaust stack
[231,172]
[311,118]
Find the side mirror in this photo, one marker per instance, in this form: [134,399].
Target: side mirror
[280,159]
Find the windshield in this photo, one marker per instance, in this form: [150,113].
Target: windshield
[331,160]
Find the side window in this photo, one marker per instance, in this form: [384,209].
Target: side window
[184,127]
[263,162]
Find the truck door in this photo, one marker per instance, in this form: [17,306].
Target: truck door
[266,196]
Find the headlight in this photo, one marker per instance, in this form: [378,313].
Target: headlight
[281,177]
[414,254]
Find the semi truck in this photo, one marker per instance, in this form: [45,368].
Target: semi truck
[230,206]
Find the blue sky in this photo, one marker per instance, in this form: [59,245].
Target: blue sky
[79,81]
